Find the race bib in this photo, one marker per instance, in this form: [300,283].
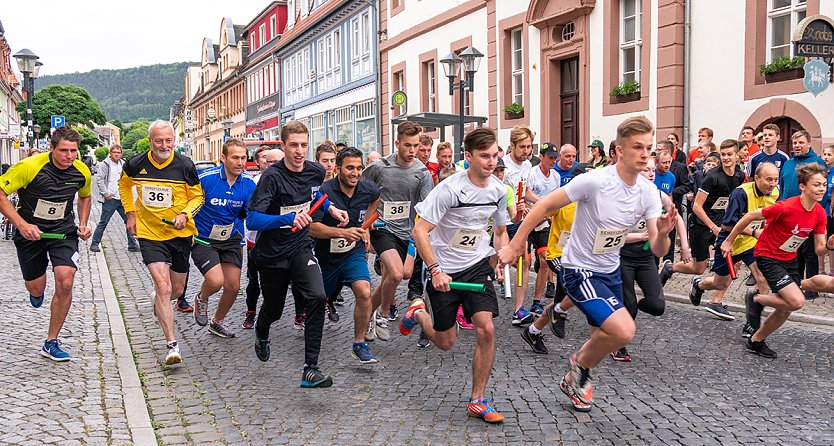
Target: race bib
[221,232]
[157,196]
[640,228]
[564,236]
[49,210]
[756,225]
[609,240]
[396,210]
[340,245]
[793,243]
[467,239]
[295,209]
[720,204]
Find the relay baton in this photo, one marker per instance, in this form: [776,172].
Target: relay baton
[520,197]
[201,242]
[167,222]
[370,221]
[519,277]
[466,286]
[507,293]
[52,235]
[730,266]
[313,209]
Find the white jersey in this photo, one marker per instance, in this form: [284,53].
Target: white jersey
[515,173]
[542,185]
[606,208]
[251,236]
[461,212]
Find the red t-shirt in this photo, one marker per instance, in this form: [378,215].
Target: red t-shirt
[433,168]
[754,149]
[694,154]
[788,223]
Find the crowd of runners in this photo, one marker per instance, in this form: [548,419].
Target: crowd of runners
[592,232]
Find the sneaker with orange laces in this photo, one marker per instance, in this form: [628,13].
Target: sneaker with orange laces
[409,320]
[480,408]
[579,389]
[461,320]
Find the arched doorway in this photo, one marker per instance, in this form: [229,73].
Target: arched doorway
[789,116]
[787,127]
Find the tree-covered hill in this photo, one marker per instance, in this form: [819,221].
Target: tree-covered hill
[129,94]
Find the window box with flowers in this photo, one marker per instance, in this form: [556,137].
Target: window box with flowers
[626,92]
[514,111]
[783,69]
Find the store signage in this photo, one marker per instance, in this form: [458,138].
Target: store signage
[814,37]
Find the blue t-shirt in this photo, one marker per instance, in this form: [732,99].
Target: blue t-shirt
[826,199]
[778,158]
[665,182]
[225,206]
[564,174]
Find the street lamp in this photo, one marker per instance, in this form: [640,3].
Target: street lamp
[464,65]
[27,63]
[37,130]
[227,128]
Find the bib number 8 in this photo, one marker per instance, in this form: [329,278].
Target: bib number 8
[51,211]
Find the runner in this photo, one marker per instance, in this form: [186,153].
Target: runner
[758,194]
[769,153]
[403,182]
[451,237]
[264,157]
[341,251]
[788,224]
[326,156]
[609,202]
[167,188]
[227,189]
[280,202]
[46,185]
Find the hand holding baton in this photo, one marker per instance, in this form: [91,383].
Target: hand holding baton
[313,209]
[466,286]
[730,266]
[53,236]
[370,221]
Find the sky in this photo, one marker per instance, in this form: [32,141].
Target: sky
[82,35]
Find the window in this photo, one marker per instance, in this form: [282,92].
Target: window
[328,63]
[782,18]
[399,84]
[344,126]
[262,35]
[316,131]
[517,67]
[631,40]
[360,55]
[430,87]
[273,26]
[296,76]
[365,127]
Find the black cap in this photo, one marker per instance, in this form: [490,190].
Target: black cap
[548,149]
[500,164]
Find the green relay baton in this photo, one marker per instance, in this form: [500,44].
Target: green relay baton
[167,222]
[54,236]
[466,286]
[201,242]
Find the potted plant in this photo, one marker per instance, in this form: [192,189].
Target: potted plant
[625,92]
[783,68]
[514,111]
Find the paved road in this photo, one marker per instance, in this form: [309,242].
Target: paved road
[691,383]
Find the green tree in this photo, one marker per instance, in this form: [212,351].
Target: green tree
[88,138]
[135,132]
[142,146]
[118,123]
[101,153]
[71,101]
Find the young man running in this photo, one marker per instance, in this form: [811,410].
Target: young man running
[280,202]
[788,224]
[403,182]
[253,288]
[227,189]
[609,202]
[451,236]
[46,185]
[167,189]
[752,196]
[341,251]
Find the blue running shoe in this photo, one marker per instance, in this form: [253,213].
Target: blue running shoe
[53,351]
[522,317]
[537,307]
[36,301]
[361,352]
[312,377]
[409,320]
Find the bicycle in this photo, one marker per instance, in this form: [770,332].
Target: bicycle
[7,229]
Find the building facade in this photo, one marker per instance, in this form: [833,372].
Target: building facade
[10,96]
[262,73]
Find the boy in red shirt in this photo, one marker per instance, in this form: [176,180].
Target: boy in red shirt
[787,224]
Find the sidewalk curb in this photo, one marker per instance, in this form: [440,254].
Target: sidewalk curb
[738,308]
[136,410]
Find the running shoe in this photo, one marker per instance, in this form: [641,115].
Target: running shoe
[262,349]
[750,281]
[36,301]
[298,321]
[249,320]
[621,355]
[340,300]
[522,317]
[535,341]
[332,313]
[747,330]
[665,271]
[312,377]
[183,305]
[550,291]
[392,313]
[481,408]
[720,311]
[760,348]
[710,263]
[220,329]
[557,321]
[536,307]
[753,309]
[52,350]
[501,291]
[423,341]
[377,266]
[134,248]
[382,331]
[370,333]
[409,319]
[95,248]
[811,295]
[173,356]
[695,292]
[200,310]
[460,319]
[361,352]
[579,390]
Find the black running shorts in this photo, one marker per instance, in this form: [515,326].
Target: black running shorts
[35,255]
[383,240]
[444,306]
[174,252]
[207,257]
[779,273]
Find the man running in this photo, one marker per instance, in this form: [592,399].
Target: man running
[46,185]
[451,236]
[227,189]
[403,182]
[109,172]
[280,202]
[264,157]
[168,194]
[609,202]
[341,251]
[788,224]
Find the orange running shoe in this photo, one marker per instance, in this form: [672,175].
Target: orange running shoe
[409,320]
[480,408]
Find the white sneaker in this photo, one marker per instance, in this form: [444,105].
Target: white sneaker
[370,333]
[173,356]
[382,331]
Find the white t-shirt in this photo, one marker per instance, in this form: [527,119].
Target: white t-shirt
[461,212]
[513,173]
[606,208]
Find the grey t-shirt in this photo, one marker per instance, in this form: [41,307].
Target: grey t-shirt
[400,189]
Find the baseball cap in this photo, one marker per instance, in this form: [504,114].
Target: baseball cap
[548,149]
[597,143]
[500,164]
